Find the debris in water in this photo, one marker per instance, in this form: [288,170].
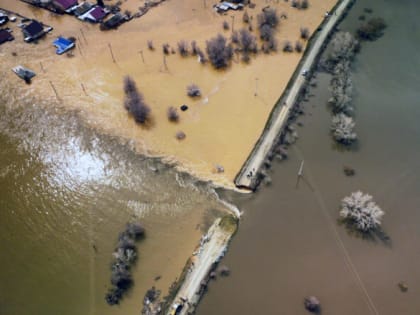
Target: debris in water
[349,171]
[403,286]
[224,271]
[312,304]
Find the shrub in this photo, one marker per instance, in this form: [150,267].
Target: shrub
[194,48]
[287,46]
[298,46]
[294,4]
[361,211]
[372,29]
[304,4]
[172,114]
[134,102]
[219,52]
[166,48]
[225,25]
[304,33]
[193,90]
[245,17]
[183,48]
[150,45]
[201,56]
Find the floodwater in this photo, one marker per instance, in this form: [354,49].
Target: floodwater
[66,193]
[290,244]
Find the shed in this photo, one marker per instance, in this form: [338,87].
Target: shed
[82,8]
[63,45]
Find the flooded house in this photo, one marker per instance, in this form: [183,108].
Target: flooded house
[33,31]
[65,5]
[5,36]
[82,8]
[94,15]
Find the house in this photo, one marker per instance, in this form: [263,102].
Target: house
[32,31]
[94,15]
[63,45]
[5,36]
[82,8]
[65,5]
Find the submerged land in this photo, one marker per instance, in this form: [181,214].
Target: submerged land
[221,127]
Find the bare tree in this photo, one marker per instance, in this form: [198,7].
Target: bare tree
[219,52]
[304,4]
[247,41]
[287,46]
[245,17]
[183,48]
[134,102]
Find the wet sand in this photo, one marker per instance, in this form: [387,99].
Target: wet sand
[221,127]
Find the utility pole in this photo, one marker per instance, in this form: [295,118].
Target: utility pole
[112,54]
[233,21]
[256,87]
[141,53]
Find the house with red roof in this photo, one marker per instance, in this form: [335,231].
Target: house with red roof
[95,15]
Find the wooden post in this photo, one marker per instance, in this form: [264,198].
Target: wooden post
[256,87]
[80,50]
[55,91]
[164,62]
[141,53]
[83,88]
[300,172]
[233,21]
[83,35]
[112,54]
[42,68]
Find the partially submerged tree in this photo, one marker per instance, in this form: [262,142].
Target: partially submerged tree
[361,211]
[225,25]
[372,29]
[125,255]
[245,17]
[134,102]
[183,48]
[287,46]
[342,128]
[193,90]
[166,48]
[267,22]
[220,53]
[172,114]
[298,46]
[304,33]
[150,45]
[343,46]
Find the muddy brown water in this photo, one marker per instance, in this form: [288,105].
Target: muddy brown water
[290,245]
[66,193]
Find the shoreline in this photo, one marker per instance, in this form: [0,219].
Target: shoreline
[250,174]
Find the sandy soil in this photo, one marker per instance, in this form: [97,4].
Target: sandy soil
[221,127]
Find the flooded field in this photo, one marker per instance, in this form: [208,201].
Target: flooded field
[290,244]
